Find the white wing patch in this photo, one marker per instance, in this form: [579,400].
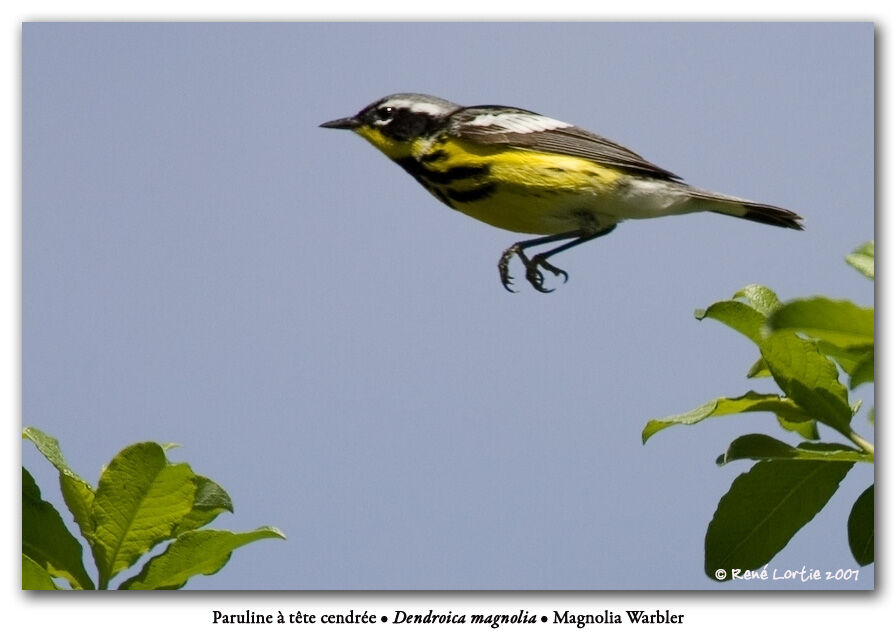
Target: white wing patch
[517,122]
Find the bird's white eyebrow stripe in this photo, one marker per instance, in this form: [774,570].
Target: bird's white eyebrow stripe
[517,122]
[415,106]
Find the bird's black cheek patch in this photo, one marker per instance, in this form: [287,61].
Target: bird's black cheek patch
[407,126]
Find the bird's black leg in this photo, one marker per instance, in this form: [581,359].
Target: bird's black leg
[540,261]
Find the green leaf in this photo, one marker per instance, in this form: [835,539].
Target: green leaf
[35,577]
[77,492]
[839,322]
[757,446]
[760,297]
[848,359]
[746,313]
[140,499]
[764,508]
[737,315]
[194,552]
[863,259]
[808,429]
[860,528]
[49,447]
[750,401]
[863,372]
[47,541]
[209,502]
[759,370]
[808,378]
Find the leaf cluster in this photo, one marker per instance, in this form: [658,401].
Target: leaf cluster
[142,500]
[804,345]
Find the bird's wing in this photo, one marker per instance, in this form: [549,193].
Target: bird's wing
[523,129]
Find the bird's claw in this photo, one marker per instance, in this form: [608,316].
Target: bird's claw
[533,269]
[536,277]
[504,268]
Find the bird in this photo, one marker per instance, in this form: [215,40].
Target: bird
[532,174]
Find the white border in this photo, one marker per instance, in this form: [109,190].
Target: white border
[182,614]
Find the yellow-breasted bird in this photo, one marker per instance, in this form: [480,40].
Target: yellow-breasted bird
[528,173]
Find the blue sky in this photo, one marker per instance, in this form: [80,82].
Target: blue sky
[202,264]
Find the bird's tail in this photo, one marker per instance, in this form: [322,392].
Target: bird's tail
[764,213]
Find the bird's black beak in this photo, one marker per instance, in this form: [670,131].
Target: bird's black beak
[342,123]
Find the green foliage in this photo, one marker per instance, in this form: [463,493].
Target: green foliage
[141,501]
[863,259]
[193,552]
[860,528]
[789,413]
[803,345]
[46,542]
[765,507]
[837,322]
[758,446]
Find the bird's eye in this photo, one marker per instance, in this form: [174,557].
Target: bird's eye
[385,113]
